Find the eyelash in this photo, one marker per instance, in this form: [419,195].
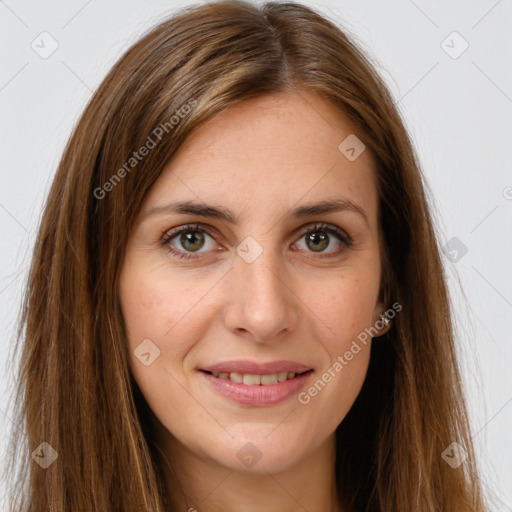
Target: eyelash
[310,228]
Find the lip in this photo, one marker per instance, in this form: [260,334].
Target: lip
[258,395]
[254,368]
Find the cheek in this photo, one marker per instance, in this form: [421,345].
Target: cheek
[169,315]
[171,310]
[154,306]
[346,307]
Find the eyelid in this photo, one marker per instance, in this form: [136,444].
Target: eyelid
[186,228]
[329,228]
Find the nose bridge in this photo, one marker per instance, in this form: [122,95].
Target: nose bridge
[263,272]
[261,302]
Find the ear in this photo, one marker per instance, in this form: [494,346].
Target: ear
[380,309]
[378,322]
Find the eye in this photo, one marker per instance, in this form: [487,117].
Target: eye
[192,238]
[318,238]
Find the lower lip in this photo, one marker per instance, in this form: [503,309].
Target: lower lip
[258,395]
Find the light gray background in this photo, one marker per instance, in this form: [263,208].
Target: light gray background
[458,111]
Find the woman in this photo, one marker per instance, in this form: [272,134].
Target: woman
[236,300]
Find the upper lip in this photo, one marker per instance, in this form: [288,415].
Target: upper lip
[254,368]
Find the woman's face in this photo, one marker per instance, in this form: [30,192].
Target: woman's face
[256,290]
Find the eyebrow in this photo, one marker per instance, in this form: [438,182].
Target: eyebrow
[222,213]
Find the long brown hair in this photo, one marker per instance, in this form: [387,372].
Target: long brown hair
[75,389]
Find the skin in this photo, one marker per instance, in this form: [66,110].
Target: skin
[260,158]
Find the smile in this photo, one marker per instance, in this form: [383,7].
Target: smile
[257,390]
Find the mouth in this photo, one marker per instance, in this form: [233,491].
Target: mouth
[256,390]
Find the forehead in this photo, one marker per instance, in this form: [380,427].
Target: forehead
[269,152]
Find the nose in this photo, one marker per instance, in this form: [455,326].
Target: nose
[262,304]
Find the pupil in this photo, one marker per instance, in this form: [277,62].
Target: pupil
[190,238]
[319,241]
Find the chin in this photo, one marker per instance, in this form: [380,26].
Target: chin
[259,454]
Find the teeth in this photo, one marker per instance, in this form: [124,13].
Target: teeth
[269,379]
[254,380]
